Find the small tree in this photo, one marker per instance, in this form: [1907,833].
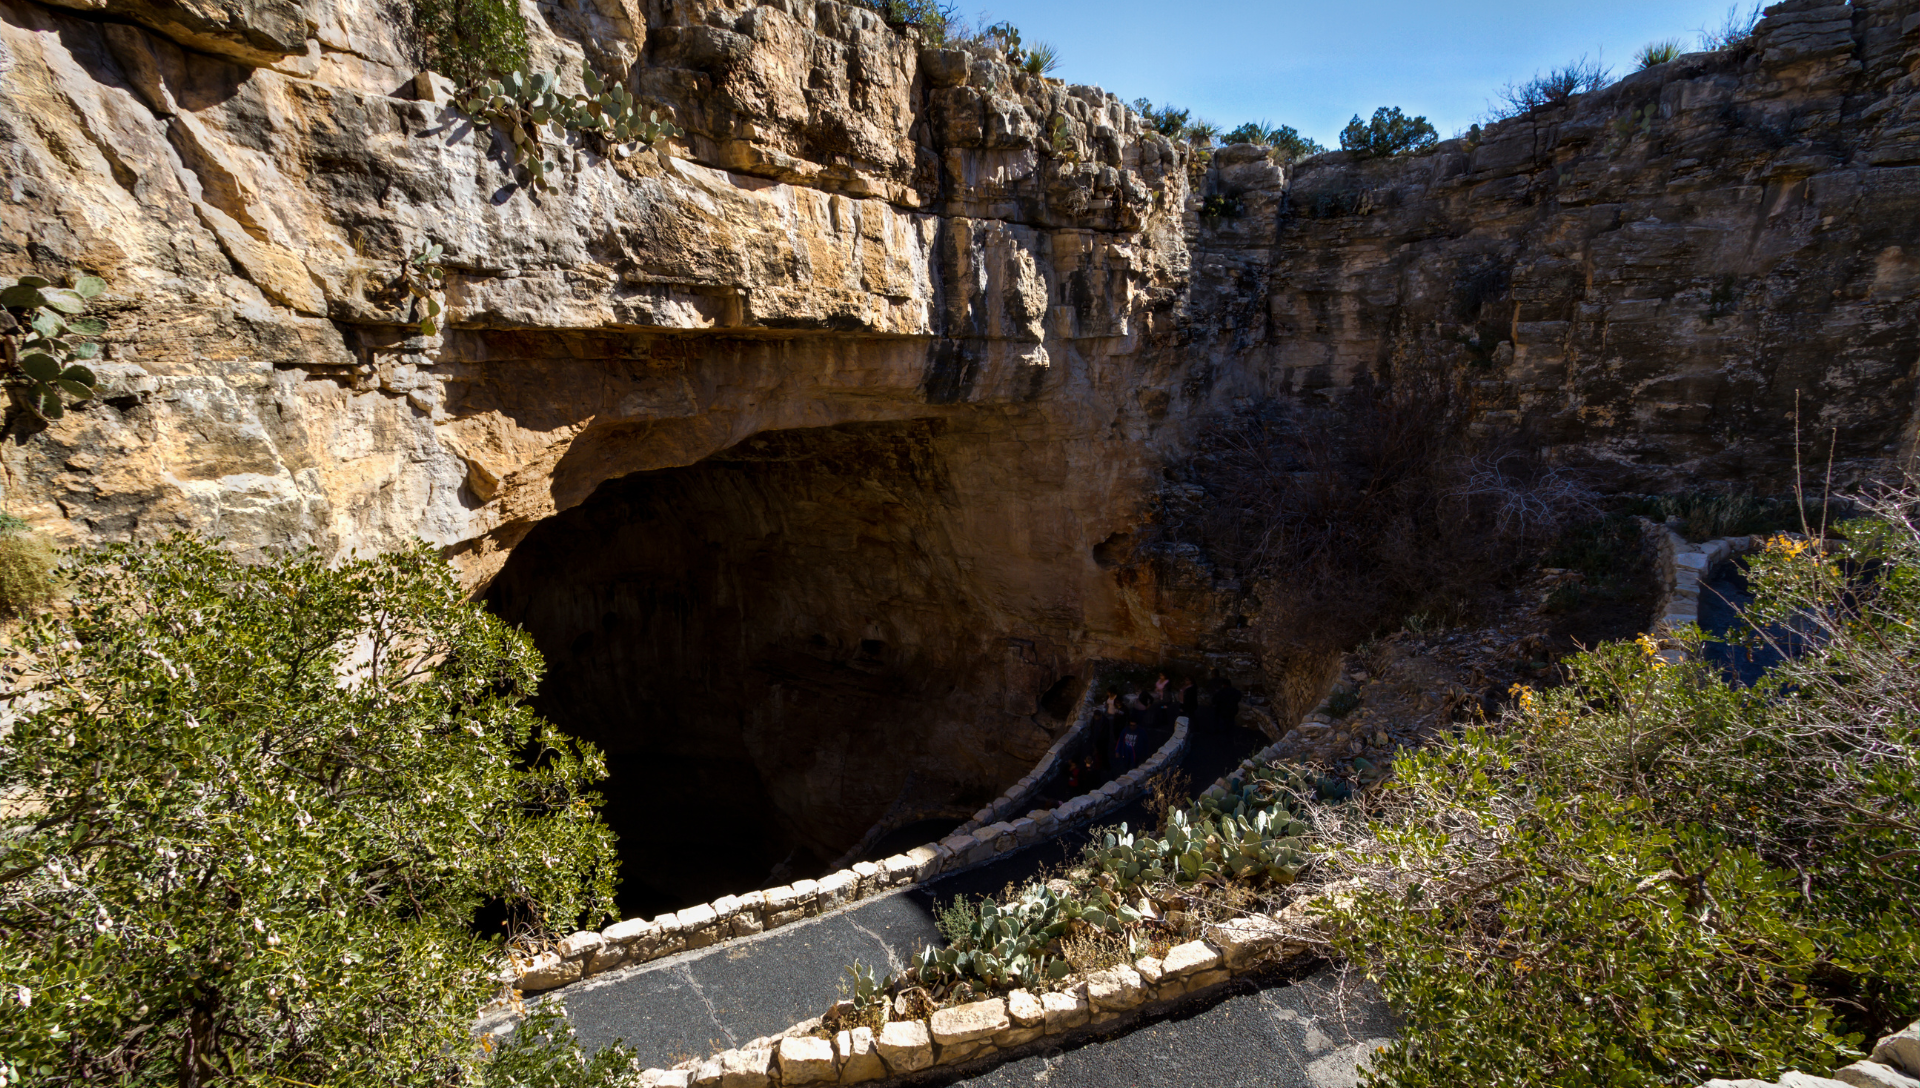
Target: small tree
[248,814]
[1389,133]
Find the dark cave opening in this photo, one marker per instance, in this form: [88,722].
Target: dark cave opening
[764,644]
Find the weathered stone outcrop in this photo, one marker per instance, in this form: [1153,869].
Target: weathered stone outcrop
[877,368]
[1643,281]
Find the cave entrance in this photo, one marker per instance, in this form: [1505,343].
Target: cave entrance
[759,642]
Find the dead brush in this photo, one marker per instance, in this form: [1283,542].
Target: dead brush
[1168,791]
[1089,949]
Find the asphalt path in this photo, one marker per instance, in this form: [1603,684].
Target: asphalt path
[695,1003]
[1314,1033]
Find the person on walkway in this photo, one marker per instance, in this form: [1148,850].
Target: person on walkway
[1226,705]
[1190,700]
[1160,688]
[1127,750]
[1100,735]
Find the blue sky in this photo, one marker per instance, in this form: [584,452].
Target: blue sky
[1313,64]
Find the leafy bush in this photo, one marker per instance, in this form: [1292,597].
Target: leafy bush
[1553,88]
[1285,139]
[933,18]
[1165,120]
[1734,31]
[469,40]
[28,568]
[251,812]
[1654,54]
[1650,877]
[1390,132]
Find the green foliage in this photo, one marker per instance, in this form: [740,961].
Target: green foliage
[1221,206]
[1005,945]
[1343,703]
[1654,54]
[1243,830]
[469,40]
[1165,120]
[529,108]
[1284,139]
[1649,877]
[1041,59]
[252,810]
[1390,132]
[934,19]
[29,568]
[423,277]
[41,325]
[542,1052]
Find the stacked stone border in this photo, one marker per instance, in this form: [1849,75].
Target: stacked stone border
[984,1033]
[980,1034]
[1894,1063]
[1682,566]
[638,940]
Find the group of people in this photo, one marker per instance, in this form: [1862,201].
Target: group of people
[1116,736]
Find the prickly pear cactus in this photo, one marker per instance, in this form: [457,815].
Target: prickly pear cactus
[42,326]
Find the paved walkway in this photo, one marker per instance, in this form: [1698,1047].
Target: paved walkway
[695,1003]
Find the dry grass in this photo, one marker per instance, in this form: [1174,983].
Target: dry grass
[28,573]
[1091,949]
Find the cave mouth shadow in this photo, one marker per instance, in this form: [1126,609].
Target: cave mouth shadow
[757,642]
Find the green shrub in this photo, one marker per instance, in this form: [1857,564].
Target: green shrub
[1649,877]
[1654,54]
[1553,88]
[264,803]
[469,40]
[1165,120]
[28,568]
[1390,132]
[1283,138]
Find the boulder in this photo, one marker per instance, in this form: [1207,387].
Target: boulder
[1190,958]
[1901,1050]
[1116,989]
[1872,1074]
[970,1022]
[906,1046]
[859,1055]
[1066,1009]
[807,1059]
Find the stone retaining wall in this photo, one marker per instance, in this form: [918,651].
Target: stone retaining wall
[1682,567]
[985,1032]
[638,940]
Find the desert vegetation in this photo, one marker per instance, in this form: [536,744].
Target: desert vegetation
[1652,876]
[250,813]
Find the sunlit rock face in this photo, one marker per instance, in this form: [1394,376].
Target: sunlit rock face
[812,450]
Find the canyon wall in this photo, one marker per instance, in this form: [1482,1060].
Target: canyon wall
[811,447]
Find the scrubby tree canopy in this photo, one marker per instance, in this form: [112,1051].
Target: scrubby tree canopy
[248,814]
[1389,133]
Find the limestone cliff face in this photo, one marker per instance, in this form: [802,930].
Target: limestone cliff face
[1642,281]
[811,449]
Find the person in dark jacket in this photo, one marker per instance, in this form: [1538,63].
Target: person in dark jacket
[1226,705]
[1100,735]
[1190,700]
